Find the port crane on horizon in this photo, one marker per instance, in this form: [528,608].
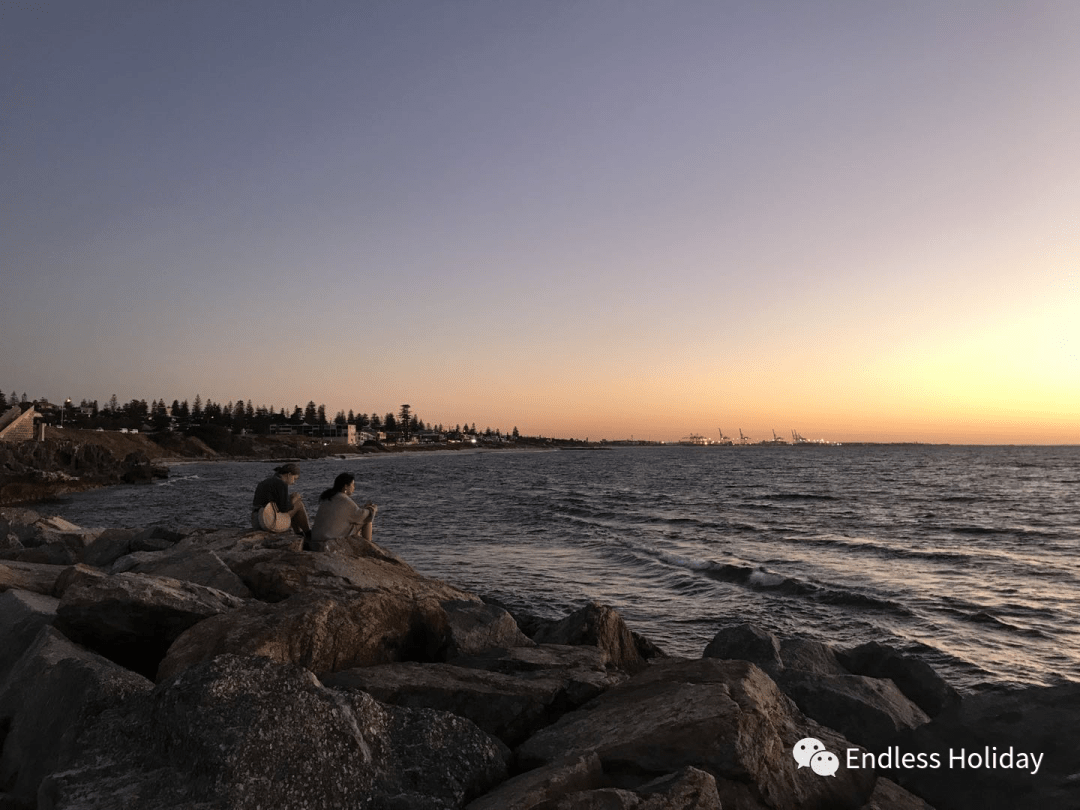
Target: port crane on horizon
[743,439]
[724,439]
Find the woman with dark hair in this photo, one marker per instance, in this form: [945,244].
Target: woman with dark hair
[339,515]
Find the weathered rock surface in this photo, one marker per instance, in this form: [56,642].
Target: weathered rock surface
[746,642]
[201,567]
[324,631]
[24,576]
[598,626]
[35,470]
[913,676]
[810,655]
[544,785]
[867,711]
[274,575]
[888,795]
[134,618]
[108,546]
[579,783]
[725,717]
[690,789]
[1037,720]
[587,661]
[508,707]
[245,733]
[22,615]
[54,691]
[473,627]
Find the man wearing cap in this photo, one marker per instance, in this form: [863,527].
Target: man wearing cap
[273,509]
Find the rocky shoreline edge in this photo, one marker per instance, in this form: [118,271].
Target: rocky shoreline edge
[174,667]
[77,460]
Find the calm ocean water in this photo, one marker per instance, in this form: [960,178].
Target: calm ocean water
[964,555]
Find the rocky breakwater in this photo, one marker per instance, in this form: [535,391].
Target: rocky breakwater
[172,667]
[34,471]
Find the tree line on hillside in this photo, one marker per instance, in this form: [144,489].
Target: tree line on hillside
[238,417]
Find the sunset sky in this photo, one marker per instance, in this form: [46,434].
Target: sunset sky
[602,219]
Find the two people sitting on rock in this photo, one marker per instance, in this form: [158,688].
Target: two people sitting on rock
[339,515]
[273,509]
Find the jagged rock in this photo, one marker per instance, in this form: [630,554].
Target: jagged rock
[508,707]
[868,711]
[809,655]
[22,523]
[746,642]
[25,576]
[10,542]
[322,631]
[56,552]
[474,627]
[725,717]
[113,544]
[595,625]
[110,545]
[22,615]
[1039,720]
[914,677]
[201,566]
[541,786]
[568,657]
[690,789]
[646,648]
[888,795]
[243,733]
[133,618]
[48,698]
[137,468]
[273,575]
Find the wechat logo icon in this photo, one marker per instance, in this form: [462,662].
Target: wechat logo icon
[811,753]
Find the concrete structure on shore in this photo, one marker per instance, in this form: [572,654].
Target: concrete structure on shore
[17,425]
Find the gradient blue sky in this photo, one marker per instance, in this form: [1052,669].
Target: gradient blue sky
[858,220]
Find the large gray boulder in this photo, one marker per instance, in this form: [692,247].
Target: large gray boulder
[579,783]
[109,545]
[33,529]
[47,700]
[27,576]
[545,785]
[913,676]
[134,618]
[510,707]
[746,642]
[586,662]
[199,566]
[868,711]
[244,733]
[689,789]
[810,655]
[22,615]
[724,717]
[324,631]
[474,627]
[276,574]
[595,625]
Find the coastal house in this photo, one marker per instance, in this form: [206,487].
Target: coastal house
[17,425]
[331,432]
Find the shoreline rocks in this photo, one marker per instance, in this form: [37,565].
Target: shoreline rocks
[183,668]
